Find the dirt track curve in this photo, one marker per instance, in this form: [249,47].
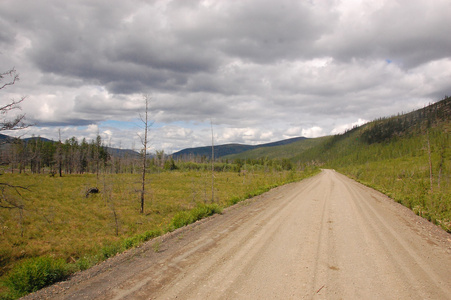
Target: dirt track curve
[326,237]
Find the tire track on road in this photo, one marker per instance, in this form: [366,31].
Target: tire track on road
[236,252]
[409,266]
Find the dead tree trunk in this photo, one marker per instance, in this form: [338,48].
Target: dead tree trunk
[430,162]
[145,121]
[212,165]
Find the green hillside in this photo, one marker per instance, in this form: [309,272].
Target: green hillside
[408,157]
[229,149]
[282,151]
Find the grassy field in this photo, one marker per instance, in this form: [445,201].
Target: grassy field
[407,181]
[59,220]
[415,171]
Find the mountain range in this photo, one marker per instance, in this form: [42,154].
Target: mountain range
[230,149]
[379,130]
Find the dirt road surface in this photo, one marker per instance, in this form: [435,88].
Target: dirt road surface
[327,237]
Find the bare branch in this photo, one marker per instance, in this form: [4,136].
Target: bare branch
[15,187]
[5,200]
[14,104]
[17,122]
[10,73]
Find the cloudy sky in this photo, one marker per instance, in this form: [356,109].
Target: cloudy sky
[257,70]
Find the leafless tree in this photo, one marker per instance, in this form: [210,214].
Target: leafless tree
[212,164]
[430,162]
[144,140]
[7,79]
[59,154]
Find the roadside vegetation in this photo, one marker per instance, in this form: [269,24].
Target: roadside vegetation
[407,157]
[414,171]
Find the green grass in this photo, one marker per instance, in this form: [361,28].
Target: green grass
[407,181]
[401,168]
[397,156]
[34,274]
[183,218]
[59,221]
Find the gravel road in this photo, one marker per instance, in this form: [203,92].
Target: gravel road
[327,237]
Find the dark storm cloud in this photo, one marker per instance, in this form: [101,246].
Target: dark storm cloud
[133,53]
[409,33]
[262,32]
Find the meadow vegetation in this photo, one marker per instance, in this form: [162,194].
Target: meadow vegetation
[409,172]
[55,220]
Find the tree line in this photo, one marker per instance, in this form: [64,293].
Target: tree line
[37,155]
[70,157]
[383,129]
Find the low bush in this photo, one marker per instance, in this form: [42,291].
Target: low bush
[234,200]
[111,250]
[140,238]
[85,263]
[204,210]
[183,218]
[36,273]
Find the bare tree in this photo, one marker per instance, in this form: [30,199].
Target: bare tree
[212,164]
[9,78]
[59,154]
[144,141]
[430,162]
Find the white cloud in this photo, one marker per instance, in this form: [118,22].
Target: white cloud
[313,132]
[261,70]
[342,128]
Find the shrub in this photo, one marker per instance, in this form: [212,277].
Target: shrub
[204,210]
[148,235]
[85,263]
[201,211]
[182,218]
[110,250]
[234,200]
[36,273]
[140,238]
[130,242]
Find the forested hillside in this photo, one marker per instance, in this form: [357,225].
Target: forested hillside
[230,149]
[408,157]
[279,151]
